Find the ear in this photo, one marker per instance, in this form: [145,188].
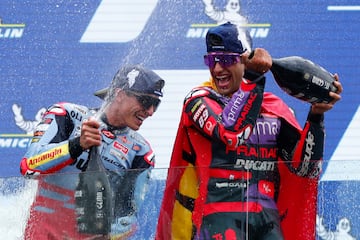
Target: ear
[119,94]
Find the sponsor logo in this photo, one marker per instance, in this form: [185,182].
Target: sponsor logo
[131,19]
[24,124]
[257,152]
[99,200]
[108,134]
[210,125]
[246,109]
[14,140]
[231,185]
[266,188]
[121,147]
[320,82]
[45,157]
[196,105]
[243,135]
[11,30]
[342,232]
[267,127]
[309,144]
[38,133]
[257,30]
[255,165]
[123,139]
[201,115]
[113,161]
[198,112]
[232,115]
[228,13]
[136,148]
[76,115]
[28,126]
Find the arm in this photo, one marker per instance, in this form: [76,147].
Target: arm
[229,121]
[49,149]
[54,145]
[303,150]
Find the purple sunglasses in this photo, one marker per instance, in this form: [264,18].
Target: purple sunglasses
[224,59]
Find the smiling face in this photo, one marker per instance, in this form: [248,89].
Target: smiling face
[227,78]
[126,110]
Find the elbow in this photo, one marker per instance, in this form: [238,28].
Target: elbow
[26,171]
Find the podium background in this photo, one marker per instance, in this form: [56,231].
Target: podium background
[54,51]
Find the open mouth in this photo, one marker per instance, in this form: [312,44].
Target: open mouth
[223,81]
[140,116]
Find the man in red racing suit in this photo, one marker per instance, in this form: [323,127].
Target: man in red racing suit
[241,167]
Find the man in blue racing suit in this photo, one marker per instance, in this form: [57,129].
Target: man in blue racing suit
[72,139]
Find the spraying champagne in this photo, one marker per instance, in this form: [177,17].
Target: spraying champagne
[303,79]
[297,76]
[94,196]
[107,195]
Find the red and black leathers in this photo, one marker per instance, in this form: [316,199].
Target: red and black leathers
[231,166]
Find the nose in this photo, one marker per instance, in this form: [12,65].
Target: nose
[150,111]
[218,67]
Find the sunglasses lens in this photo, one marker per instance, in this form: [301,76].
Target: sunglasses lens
[148,101]
[225,60]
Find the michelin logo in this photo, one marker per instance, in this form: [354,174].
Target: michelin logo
[117,21]
[231,13]
[342,230]
[28,126]
[11,30]
[130,21]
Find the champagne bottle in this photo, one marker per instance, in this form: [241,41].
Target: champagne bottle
[303,79]
[93,198]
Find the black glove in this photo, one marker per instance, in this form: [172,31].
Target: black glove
[254,77]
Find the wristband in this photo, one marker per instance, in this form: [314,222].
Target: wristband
[75,148]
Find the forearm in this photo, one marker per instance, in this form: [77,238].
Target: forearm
[45,159]
[310,149]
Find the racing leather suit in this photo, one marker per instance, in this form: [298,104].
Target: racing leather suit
[55,148]
[234,145]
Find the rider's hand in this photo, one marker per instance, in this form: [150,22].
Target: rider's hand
[259,60]
[90,134]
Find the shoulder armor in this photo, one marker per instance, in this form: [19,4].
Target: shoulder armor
[74,110]
[197,92]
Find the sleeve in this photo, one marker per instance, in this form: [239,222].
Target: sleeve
[230,122]
[49,149]
[303,150]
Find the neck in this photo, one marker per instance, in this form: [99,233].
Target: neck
[110,125]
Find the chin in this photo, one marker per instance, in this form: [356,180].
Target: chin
[135,127]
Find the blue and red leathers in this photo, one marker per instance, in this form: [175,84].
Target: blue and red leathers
[55,148]
[230,166]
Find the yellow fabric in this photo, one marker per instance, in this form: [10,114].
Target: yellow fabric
[210,83]
[181,224]
[182,218]
[188,183]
